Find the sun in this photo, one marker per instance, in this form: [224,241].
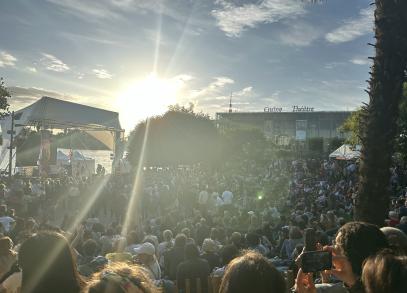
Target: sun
[145,98]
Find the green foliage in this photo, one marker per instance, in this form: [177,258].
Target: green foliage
[4,96]
[352,127]
[243,143]
[334,143]
[180,136]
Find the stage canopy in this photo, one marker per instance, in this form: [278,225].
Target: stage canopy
[346,152]
[51,113]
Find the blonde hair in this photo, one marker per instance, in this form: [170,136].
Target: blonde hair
[121,278]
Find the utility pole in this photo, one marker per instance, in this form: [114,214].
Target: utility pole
[11,147]
[230,103]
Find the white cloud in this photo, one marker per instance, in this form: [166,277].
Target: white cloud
[31,69]
[221,81]
[353,28]
[183,77]
[234,19]
[52,63]
[243,92]
[24,96]
[300,34]
[102,73]
[332,65]
[7,59]
[360,61]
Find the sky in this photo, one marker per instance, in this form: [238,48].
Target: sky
[139,56]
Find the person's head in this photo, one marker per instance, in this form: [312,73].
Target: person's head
[180,240]
[359,240]
[191,251]
[6,245]
[133,238]
[209,246]
[121,278]
[252,272]
[48,265]
[252,239]
[393,215]
[167,235]
[385,272]
[227,253]
[145,253]
[90,247]
[396,238]
[236,237]
[186,232]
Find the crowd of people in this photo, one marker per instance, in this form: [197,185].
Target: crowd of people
[242,228]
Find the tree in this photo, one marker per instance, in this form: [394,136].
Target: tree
[180,136]
[243,143]
[4,96]
[352,127]
[379,117]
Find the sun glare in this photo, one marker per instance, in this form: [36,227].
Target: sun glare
[145,98]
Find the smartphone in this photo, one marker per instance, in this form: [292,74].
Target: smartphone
[316,261]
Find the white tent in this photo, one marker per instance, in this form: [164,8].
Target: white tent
[346,152]
[51,113]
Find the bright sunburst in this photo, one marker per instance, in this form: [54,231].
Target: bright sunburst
[144,98]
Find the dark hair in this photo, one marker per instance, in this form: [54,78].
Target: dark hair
[228,253]
[252,239]
[48,265]
[180,240]
[384,273]
[359,240]
[252,272]
[90,247]
[191,251]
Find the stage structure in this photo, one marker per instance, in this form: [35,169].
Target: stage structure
[49,114]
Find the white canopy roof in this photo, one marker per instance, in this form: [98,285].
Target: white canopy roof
[346,152]
[54,113]
[58,114]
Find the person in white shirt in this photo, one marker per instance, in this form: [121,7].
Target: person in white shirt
[145,255]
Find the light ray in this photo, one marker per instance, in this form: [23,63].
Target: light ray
[158,39]
[180,41]
[53,254]
[90,202]
[134,196]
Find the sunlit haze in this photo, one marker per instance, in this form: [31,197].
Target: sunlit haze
[274,53]
[147,97]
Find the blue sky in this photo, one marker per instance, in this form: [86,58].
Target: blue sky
[268,53]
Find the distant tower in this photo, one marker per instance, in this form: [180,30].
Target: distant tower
[230,103]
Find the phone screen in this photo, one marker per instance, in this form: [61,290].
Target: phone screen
[316,261]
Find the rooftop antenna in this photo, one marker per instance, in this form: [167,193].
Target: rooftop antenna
[230,102]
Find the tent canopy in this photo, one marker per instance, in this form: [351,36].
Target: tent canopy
[51,113]
[58,114]
[54,113]
[346,152]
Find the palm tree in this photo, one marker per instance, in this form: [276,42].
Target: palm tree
[379,118]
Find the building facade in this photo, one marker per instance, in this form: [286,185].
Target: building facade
[285,127]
